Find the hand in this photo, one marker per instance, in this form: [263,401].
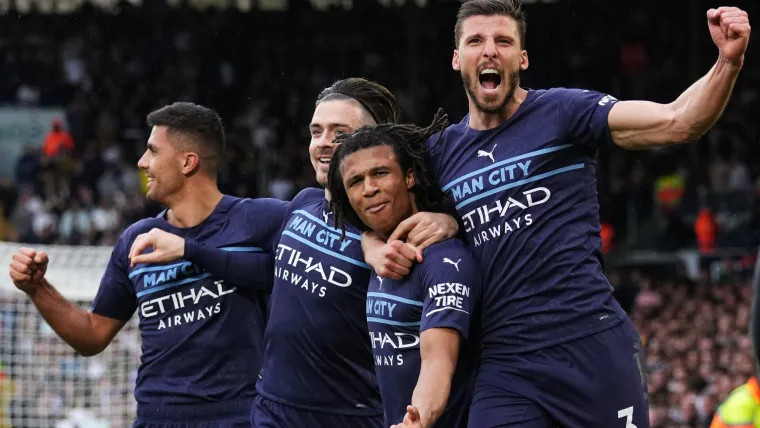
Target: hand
[28,268]
[411,419]
[394,260]
[730,30]
[425,229]
[166,248]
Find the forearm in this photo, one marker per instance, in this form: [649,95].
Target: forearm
[702,104]
[432,391]
[72,323]
[245,269]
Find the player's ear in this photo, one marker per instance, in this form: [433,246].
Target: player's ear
[523,60]
[410,182]
[191,163]
[455,61]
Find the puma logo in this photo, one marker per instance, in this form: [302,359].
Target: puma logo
[482,153]
[451,262]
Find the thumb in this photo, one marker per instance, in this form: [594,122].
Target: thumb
[403,229]
[144,258]
[413,414]
[713,16]
[41,258]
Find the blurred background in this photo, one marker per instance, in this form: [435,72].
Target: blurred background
[681,226]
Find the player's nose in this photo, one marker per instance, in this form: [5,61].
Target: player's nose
[370,187]
[489,48]
[143,163]
[326,141]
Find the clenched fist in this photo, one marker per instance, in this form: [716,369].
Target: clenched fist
[28,269]
[730,30]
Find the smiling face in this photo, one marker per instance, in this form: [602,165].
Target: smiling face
[489,57]
[377,188]
[164,165]
[333,118]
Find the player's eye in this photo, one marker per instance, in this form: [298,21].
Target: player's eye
[474,40]
[315,132]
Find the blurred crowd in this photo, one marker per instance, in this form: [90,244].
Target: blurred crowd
[109,70]
[696,341]
[81,186]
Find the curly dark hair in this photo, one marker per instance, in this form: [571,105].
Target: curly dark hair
[408,143]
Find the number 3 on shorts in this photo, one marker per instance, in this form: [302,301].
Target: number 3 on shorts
[627,413]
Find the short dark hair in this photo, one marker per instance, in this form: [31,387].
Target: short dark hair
[196,125]
[408,143]
[376,99]
[511,8]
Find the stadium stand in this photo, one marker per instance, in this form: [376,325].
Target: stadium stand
[683,223]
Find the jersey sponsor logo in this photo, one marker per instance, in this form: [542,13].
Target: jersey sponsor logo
[451,262]
[483,153]
[308,273]
[607,99]
[391,342]
[199,303]
[448,296]
[501,209]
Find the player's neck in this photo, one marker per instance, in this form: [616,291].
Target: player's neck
[481,121]
[193,204]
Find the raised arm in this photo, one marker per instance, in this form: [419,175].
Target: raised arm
[88,333]
[644,124]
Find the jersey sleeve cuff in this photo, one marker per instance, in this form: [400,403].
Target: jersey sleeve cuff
[446,324]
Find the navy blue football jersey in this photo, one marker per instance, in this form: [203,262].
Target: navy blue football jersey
[526,192]
[202,337]
[317,354]
[441,292]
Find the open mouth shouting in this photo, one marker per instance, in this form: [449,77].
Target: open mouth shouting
[490,80]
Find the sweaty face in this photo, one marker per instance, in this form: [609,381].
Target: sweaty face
[377,188]
[162,164]
[332,118]
[490,59]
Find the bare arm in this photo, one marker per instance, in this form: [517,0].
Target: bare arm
[439,349]
[643,124]
[86,332]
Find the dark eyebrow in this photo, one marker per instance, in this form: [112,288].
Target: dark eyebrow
[334,125]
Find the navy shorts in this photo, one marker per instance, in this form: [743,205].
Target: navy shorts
[597,381]
[231,414]
[270,414]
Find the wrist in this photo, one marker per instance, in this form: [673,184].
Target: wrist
[730,64]
[39,286]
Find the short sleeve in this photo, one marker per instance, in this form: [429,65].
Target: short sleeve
[451,281]
[587,116]
[116,297]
